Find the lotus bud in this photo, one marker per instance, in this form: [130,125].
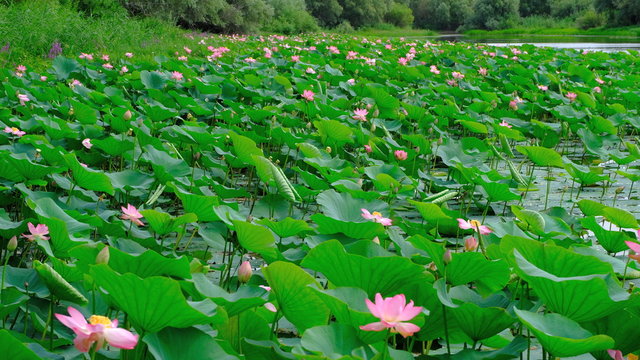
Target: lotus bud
[440,141]
[446,257]
[432,266]
[189,116]
[197,156]
[471,244]
[376,240]
[244,272]
[70,111]
[308,125]
[127,115]
[13,244]
[329,149]
[619,189]
[373,127]
[103,256]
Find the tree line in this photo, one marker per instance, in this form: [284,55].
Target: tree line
[294,16]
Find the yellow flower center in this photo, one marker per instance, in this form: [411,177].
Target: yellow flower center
[375,213]
[15,129]
[98,319]
[475,224]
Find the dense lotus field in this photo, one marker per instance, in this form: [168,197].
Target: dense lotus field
[321,197]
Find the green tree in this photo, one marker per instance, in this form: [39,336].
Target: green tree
[328,12]
[569,8]
[534,7]
[362,13]
[246,16]
[399,15]
[290,17]
[493,14]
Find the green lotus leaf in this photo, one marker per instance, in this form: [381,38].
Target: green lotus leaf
[57,285]
[186,343]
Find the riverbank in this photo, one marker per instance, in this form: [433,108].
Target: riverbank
[629,31]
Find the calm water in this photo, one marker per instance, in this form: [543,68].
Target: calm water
[590,43]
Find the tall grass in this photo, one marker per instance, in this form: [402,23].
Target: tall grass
[31,27]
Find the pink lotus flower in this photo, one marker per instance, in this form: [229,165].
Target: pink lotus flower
[571,96]
[23,99]
[244,272]
[131,213]
[38,232]
[505,124]
[457,75]
[295,58]
[308,95]
[98,329]
[360,114]
[21,68]
[188,51]
[635,247]
[266,288]
[543,87]
[75,82]
[403,61]
[352,55]
[182,58]
[597,89]
[310,71]
[615,354]
[124,69]
[14,131]
[376,217]
[470,244]
[393,312]
[401,155]
[177,76]
[105,57]
[434,69]
[43,78]
[129,55]
[269,306]
[87,143]
[86,56]
[368,149]
[107,66]
[249,60]
[351,82]
[475,225]
[599,81]
[513,105]
[482,71]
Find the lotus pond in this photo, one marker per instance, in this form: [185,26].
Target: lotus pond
[321,197]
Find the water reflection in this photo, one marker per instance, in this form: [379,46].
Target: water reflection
[578,42]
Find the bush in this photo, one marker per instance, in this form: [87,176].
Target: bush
[399,15]
[441,14]
[290,17]
[344,28]
[245,16]
[569,8]
[590,19]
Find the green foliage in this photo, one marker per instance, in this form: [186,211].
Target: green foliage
[446,15]
[590,19]
[327,12]
[290,17]
[493,14]
[569,8]
[399,15]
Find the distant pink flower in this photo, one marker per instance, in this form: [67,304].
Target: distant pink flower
[599,81]
[571,96]
[470,244]
[457,75]
[75,82]
[333,50]
[86,56]
[310,71]
[188,51]
[388,47]
[99,329]
[597,89]
[295,58]
[177,76]
[360,114]
[37,232]
[87,143]
[543,87]
[14,131]
[23,99]
[129,55]
[368,149]
[308,95]
[269,306]
[124,69]
[513,104]
[403,61]
[615,354]
[352,55]
[43,78]
[21,68]
[482,71]
[451,82]
[351,82]
[131,213]
[376,217]
[107,66]
[401,155]
[475,225]
[434,69]
[182,58]
[267,288]
[105,57]
[505,124]
[249,60]
[394,313]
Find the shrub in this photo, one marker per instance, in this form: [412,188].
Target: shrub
[344,28]
[399,15]
[590,19]
[493,14]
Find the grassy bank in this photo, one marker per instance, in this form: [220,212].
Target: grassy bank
[622,31]
[29,31]
[395,32]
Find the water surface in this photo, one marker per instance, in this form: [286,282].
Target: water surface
[578,42]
